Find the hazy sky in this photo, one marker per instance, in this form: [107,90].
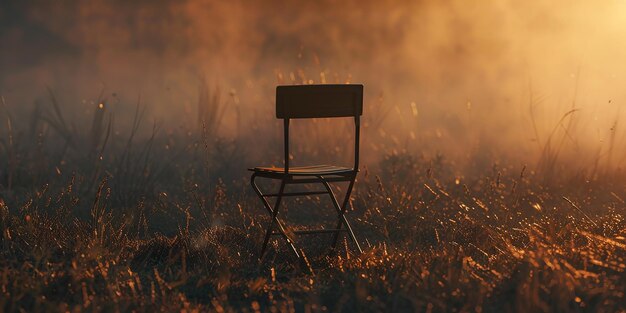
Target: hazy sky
[451,73]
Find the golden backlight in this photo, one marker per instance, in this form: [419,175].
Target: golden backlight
[487,78]
[143,164]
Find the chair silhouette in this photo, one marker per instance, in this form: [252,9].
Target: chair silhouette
[312,101]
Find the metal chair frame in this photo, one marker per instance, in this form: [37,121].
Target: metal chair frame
[304,102]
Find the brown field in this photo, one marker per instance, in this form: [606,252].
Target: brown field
[96,220]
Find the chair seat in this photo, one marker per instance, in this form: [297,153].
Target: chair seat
[314,170]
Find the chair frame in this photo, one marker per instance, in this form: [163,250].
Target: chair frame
[276,226]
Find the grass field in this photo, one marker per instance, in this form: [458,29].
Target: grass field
[94,218]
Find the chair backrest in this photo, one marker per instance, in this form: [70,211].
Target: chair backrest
[318,101]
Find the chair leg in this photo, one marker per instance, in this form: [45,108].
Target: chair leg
[341,219]
[275,220]
[274,214]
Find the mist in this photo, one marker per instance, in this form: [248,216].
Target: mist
[503,80]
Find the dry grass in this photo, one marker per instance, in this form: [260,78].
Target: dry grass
[101,221]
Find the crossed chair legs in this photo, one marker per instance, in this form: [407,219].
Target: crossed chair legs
[276,223]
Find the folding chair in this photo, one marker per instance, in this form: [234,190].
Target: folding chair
[312,101]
